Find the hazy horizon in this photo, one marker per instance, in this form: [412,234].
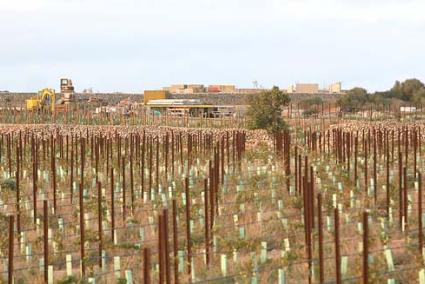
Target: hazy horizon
[130,45]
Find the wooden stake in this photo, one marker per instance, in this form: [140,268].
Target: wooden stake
[365,248]
[46,240]
[10,257]
[337,248]
[146,266]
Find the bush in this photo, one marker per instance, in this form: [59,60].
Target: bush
[310,112]
[265,110]
[9,184]
[353,100]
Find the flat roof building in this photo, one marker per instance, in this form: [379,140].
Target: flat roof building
[335,88]
[149,95]
[313,88]
[185,88]
[304,88]
[221,89]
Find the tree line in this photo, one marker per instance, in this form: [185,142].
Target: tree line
[411,91]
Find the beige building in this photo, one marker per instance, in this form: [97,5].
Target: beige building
[176,88]
[291,89]
[335,88]
[221,89]
[312,88]
[249,90]
[185,88]
[196,88]
[303,88]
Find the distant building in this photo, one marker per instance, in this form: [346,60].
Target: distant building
[154,95]
[303,88]
[191,107]
[174,102]
[221,89]
[196,88]
[407,109]
[185,88]
[199,88]
[335,88]
[250,90]
[313,88]
[213,89]
[291,89]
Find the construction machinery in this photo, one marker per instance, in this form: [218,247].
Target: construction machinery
[44,100]
[67,91]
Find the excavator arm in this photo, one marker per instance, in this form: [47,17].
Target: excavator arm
[45,98]
[48,98]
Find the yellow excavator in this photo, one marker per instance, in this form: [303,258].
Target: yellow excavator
[44,100]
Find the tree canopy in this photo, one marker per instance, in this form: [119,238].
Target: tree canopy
[353,100]
[311,106]
[265,110]
[411,90]
[408,88]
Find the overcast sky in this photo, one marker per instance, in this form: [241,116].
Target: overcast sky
[132,45]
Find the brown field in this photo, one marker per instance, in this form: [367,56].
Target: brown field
[251,198]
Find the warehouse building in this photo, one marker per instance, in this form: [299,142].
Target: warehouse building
[313,88]
[149,95]
[185,88]
[190,107]
[304,88]
[221,89]
[199,88]
[335,88]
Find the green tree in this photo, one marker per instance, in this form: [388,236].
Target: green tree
[265,110]
[353,100]
[419,97]
[408,88]
[396,88]
[311,106]
[315,101]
